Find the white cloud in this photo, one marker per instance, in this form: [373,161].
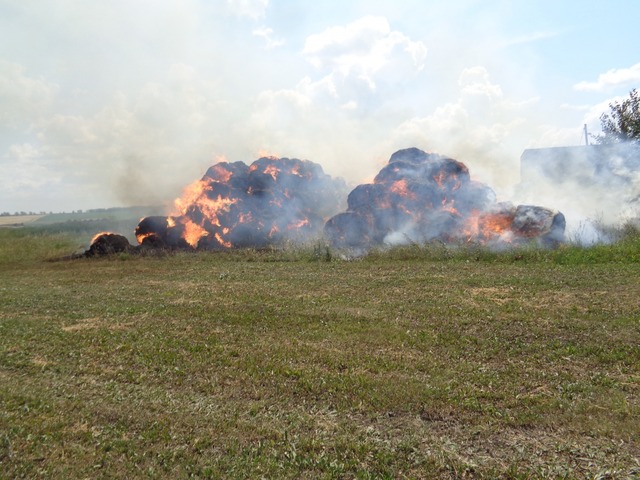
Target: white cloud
[366,49]
[23,98]
[555,136]
[475,81]
[339,117]
[28,170]
[267,34]
[254,9]
[612,78]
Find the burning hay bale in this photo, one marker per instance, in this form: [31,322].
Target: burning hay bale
[419,197]
[235,205]
[107,243]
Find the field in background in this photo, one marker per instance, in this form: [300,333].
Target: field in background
[420,362]
[108,214]
[18,220]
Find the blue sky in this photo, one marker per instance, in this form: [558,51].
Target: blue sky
[124,102]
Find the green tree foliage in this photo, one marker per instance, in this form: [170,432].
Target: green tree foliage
[622,124]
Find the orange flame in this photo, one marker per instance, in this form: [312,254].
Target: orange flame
[221,173]
[447,206]
[196,195]
[299,224]
[488,226]
[222,241]
[193,232]
[471,228]
[295,170]
[192,194]
[211,207]
[494,225]
[273,171]
[245,217]
[141,236]
[400,187]
[95,237]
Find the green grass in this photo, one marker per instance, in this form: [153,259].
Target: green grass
[420,362]
[26,245]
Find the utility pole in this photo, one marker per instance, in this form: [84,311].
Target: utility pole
[586,135]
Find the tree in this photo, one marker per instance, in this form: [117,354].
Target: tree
[622,124]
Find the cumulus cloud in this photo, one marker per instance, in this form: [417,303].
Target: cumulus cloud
[612,78]
[365,49]
[474,81]
[359,65]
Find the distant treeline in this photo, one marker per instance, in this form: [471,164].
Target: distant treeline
[22,214]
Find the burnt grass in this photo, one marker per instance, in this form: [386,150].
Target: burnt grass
[294,364]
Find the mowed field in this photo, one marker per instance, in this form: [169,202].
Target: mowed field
[298,364]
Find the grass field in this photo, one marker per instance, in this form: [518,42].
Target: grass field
[412,363]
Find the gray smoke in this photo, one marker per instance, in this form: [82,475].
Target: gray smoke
[595,186]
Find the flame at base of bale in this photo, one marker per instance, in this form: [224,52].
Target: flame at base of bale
[420,197]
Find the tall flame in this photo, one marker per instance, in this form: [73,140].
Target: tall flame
[191,194]
[193,233]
